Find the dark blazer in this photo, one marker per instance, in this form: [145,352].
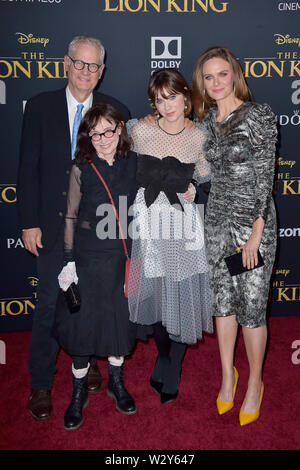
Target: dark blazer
[45,162]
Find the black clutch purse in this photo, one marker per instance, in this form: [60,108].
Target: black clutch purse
[72,296]
[235,263]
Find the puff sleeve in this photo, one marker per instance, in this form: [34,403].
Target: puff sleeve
[202,168]
[132,129]
[262,130]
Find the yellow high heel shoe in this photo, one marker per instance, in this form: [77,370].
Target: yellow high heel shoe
[246,418]
[224,406]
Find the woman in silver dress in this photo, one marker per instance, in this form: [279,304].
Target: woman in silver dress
[240,148]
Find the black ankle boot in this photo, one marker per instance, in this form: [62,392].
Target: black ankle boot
[170,388]
[116,389]
[166,398]
[73,418]
[169,391]
[158,374]
[156,385]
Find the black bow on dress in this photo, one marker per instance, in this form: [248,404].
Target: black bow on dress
[167,174]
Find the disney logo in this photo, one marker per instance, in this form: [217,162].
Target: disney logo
[280,161]
[30,39]
[283,272]
[281,39]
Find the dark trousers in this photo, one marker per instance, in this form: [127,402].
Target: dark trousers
[43,346]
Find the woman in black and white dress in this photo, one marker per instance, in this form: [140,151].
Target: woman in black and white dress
[168,284]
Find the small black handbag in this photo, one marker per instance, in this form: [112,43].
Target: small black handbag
[235,263]
[72,296]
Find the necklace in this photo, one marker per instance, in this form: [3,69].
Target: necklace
[169,133]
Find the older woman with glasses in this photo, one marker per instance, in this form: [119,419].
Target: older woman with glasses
[101,327]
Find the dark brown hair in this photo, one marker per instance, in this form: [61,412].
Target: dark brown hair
[202,102]
[171,81]
[85,149]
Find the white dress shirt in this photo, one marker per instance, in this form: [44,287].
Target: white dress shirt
[72,107]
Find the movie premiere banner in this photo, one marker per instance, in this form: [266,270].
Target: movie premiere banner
[141,36]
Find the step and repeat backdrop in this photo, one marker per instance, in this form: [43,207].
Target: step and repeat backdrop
[141,36]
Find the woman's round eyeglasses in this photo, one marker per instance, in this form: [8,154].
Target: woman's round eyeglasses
[96,136]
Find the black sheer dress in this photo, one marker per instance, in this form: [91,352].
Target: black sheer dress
[101,327]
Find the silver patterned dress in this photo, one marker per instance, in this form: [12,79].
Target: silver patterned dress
[241,153]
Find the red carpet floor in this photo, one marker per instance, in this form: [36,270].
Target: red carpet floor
[189,423]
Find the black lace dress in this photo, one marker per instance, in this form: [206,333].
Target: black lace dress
[101,327]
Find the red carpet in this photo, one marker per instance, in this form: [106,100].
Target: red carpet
[189,423]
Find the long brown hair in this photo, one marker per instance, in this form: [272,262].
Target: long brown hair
[171,80]
[202,102]
[85,149]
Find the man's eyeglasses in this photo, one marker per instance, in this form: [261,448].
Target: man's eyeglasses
[80,64]
[96,136]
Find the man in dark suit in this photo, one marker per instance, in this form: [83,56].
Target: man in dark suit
[45,161]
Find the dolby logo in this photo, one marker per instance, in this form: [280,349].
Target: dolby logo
[165,52]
